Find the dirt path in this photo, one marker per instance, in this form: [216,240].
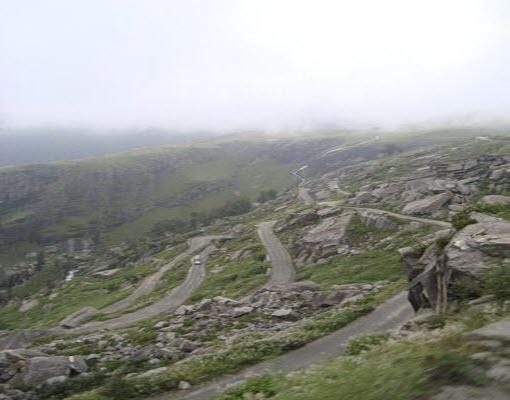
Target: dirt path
[388,315]
[282,267]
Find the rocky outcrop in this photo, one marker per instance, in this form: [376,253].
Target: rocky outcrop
[468,255]
[478,246]
[323,240]
[31,368]
[430,175]
[428,205]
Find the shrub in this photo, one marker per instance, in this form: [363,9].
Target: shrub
[464,287]
[454,368]
[61,390]
[364,343]
[461,220]
[264,385]
[497,283]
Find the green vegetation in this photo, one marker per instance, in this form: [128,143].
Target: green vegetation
[171,279]
[196,219]
[80,292]
[123,195]
[267,195]
[400,371]
[364,343]
[377,369]
[247,350]
[497,283]
[371,266]
[234,278]
[462,219]
[359,233]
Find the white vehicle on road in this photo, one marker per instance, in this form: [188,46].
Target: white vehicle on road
[197,260]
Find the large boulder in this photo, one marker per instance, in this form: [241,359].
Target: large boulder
[30,368]
[471,252]
[477,246]
[494,199]
[378,221]
[330,231]
[79,317]
[427,205]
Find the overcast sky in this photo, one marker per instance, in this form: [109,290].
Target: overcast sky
[245,64]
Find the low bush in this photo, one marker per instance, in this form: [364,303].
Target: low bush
[364,343]
[497,283]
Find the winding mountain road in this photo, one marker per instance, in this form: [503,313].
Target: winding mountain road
[150,282]
[388,315]
[168,303]
[282,272]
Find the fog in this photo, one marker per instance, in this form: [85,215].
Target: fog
[225,65]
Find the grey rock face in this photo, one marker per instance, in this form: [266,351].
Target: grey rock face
[37,370]
[428,205]
[470,252]
[473,248]
[378,221]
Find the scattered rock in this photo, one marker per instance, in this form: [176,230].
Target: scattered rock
[239,311]
[183,385]
[27,305]
[106,273]
[284,313]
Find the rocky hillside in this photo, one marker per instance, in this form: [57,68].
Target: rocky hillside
[386,257]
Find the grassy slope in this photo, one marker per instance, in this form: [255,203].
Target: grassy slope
[85,291]
[124,195]
[400,370]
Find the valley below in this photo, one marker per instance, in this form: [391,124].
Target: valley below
[363,266]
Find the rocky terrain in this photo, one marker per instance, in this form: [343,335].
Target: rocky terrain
[391,255]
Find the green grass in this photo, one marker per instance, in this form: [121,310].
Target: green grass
[71,296]
[123,195]
[251,349]
[170,280]
[368,267]
[236,278]
[462,219]
[400,371]
[382,369]
[357,233]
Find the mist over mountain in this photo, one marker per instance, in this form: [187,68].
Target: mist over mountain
[41,145]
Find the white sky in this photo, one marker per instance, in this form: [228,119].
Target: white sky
[245,64]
